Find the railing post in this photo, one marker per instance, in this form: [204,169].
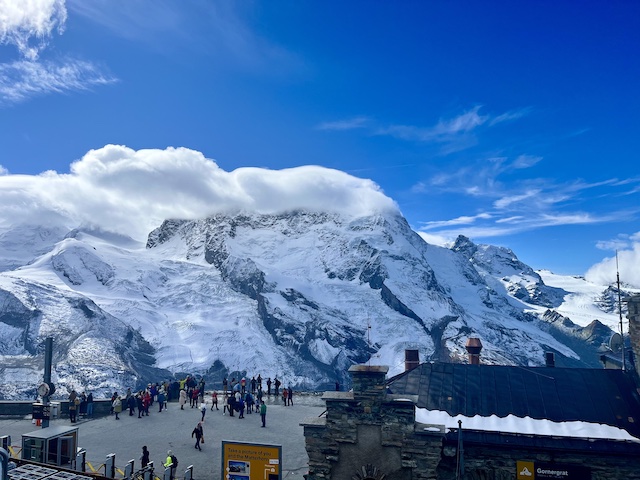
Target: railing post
[148,471]
[110,466]
[167,473]
[81,460]
[5,442]
[4,464]
[128,470]
[188,473]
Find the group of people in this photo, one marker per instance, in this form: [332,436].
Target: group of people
[254,385]
[238,396]
[80,405]
[140,401]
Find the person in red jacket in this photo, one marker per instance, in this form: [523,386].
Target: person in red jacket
[194,397]
[146,401]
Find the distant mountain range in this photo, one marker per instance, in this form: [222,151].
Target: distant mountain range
[299,295]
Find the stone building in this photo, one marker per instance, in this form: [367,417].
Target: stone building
[481,422]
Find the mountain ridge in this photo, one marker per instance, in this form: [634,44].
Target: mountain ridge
[301,295]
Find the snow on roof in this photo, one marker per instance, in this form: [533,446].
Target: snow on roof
[526,426]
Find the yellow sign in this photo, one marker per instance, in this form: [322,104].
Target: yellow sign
[251,461]
[525,470]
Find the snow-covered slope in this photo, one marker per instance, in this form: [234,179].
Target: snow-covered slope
[301,295]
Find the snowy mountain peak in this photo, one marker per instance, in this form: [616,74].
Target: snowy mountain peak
[301,295]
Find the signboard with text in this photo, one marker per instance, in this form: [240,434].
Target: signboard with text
[251,461]
[546,471]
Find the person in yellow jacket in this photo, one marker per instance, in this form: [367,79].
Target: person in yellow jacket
[171,462]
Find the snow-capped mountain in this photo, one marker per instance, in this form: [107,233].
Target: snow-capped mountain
[299,295]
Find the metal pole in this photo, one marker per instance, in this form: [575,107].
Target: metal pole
[624,361]
[48,355]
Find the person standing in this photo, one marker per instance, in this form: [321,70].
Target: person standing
[146,401]
[277,385]
[183,398]
[199,434]
[290,396]
[225,385]
[117,406]
[73,409]
[171,462]
[161,399]
[113,399]
[285,394]
[90,405]
[139,404]
[269,386]
[241,406]
[253,385]
[131,403]
[144,459]
[214,400]
[263,413]
[203,409]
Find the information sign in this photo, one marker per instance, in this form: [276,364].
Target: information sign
[251,461]
[550,471]
[41,411]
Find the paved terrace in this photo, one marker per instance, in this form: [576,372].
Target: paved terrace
[171,430]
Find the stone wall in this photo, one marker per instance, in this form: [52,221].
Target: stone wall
[367,433]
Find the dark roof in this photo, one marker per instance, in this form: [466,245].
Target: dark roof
[601,396]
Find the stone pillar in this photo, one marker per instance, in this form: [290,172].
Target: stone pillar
[369,382]
[633,306]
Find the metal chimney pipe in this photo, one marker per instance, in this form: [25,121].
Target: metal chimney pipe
[474,347]
[411,359]
[549,359]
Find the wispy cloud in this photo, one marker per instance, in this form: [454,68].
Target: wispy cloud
[347,124]
[504,206]
[24,79]
[443,131]
[451,134]
[29,26]
[464,220]
[218,29]
[510,116]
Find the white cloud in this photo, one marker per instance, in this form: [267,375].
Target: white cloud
[23,79]
[132,192]
[436,239]
[628,262]
[29,24]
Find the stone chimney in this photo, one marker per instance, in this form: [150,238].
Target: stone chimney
[633,306]
[411,359]
[369,382]
[474,347]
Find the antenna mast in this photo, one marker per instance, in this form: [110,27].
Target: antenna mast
[624,363]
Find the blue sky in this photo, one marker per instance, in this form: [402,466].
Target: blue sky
[514,123]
